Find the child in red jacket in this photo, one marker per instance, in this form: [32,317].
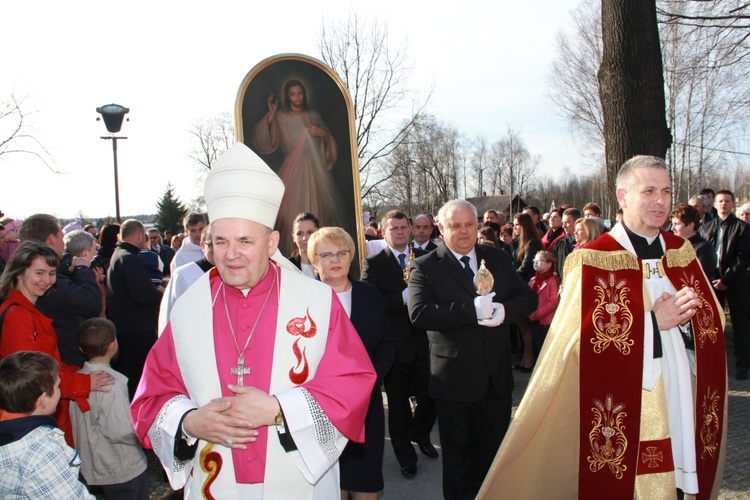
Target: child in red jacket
[545,283]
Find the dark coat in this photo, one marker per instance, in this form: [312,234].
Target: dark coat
[464,356]
[383,271]
[132,301]
[736,257]
[166,254]
[74,298]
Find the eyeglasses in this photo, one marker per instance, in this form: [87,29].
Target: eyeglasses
[540,260]
[328,256]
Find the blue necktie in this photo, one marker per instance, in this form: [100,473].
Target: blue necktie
[402,260]
[467,268]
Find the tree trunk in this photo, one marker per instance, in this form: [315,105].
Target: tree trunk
[631,87]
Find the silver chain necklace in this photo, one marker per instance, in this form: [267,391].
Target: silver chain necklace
[241,370]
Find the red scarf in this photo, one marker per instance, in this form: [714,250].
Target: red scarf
[540,278]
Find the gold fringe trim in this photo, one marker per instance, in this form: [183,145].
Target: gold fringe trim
[681,257]
[608,261]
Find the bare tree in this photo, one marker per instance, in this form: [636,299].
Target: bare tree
[17,134]
[480,163]
[574,88]
[376,73]
[516,164]
[210,137]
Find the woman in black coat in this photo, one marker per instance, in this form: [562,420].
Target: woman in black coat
[331,252]
[528,244]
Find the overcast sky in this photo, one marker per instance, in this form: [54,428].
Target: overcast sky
[174,62]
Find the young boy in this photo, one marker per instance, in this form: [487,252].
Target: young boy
[36,461]
[112,456]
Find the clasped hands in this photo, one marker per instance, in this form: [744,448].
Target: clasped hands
[677,309]
[489,313]
[233,421]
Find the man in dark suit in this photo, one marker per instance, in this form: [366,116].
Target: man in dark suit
[410,372]
[471,375]
[731,238]
[423,233]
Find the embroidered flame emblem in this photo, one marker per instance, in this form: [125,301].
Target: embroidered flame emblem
[296,326]
[303,326]
[211,463]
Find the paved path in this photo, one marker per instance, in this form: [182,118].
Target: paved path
[427,484]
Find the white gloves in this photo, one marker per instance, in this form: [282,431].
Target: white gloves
[483,305]
[498,316]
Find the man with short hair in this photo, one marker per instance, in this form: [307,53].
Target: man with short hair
[629,393]
[591,209]
[700,203]
[77,294]
[410,371]
[535,214]
[710,206]
[490,216]
[422,228]
[471,374]
[155,244]
[184,277]
[731,238]
[565,245]
[190,251]
[132,302]
[259,369]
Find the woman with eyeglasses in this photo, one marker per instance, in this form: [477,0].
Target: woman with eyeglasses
[331,252]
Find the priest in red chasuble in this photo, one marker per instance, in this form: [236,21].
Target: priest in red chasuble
[259,379]
[629,396]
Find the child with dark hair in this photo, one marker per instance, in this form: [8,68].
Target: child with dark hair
[112,456]
[36,461]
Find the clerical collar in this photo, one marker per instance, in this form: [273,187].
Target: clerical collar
[645,247]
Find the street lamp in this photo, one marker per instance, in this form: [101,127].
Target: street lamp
[113,115]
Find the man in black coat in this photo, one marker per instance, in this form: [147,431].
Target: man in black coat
[731,238]
[471,375]
[156,244]
[132,302]
[76,295]
[410,371]
[423,233]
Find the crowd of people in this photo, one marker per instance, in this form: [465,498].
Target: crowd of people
[117,338]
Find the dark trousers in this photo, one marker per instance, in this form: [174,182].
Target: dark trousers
[470,435]
[134,347]
[736,298]
[135,489]
[403,381]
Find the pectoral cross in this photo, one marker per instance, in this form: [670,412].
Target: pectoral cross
[241,369]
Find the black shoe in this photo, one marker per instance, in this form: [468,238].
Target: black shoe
[742,374]
[428,449]
[409,471]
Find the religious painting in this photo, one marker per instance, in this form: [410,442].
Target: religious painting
[296,114]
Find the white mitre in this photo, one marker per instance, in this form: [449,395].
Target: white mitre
[242,186]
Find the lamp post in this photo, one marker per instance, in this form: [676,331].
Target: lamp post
[113,115]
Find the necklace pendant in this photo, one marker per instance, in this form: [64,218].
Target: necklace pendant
[241,370]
